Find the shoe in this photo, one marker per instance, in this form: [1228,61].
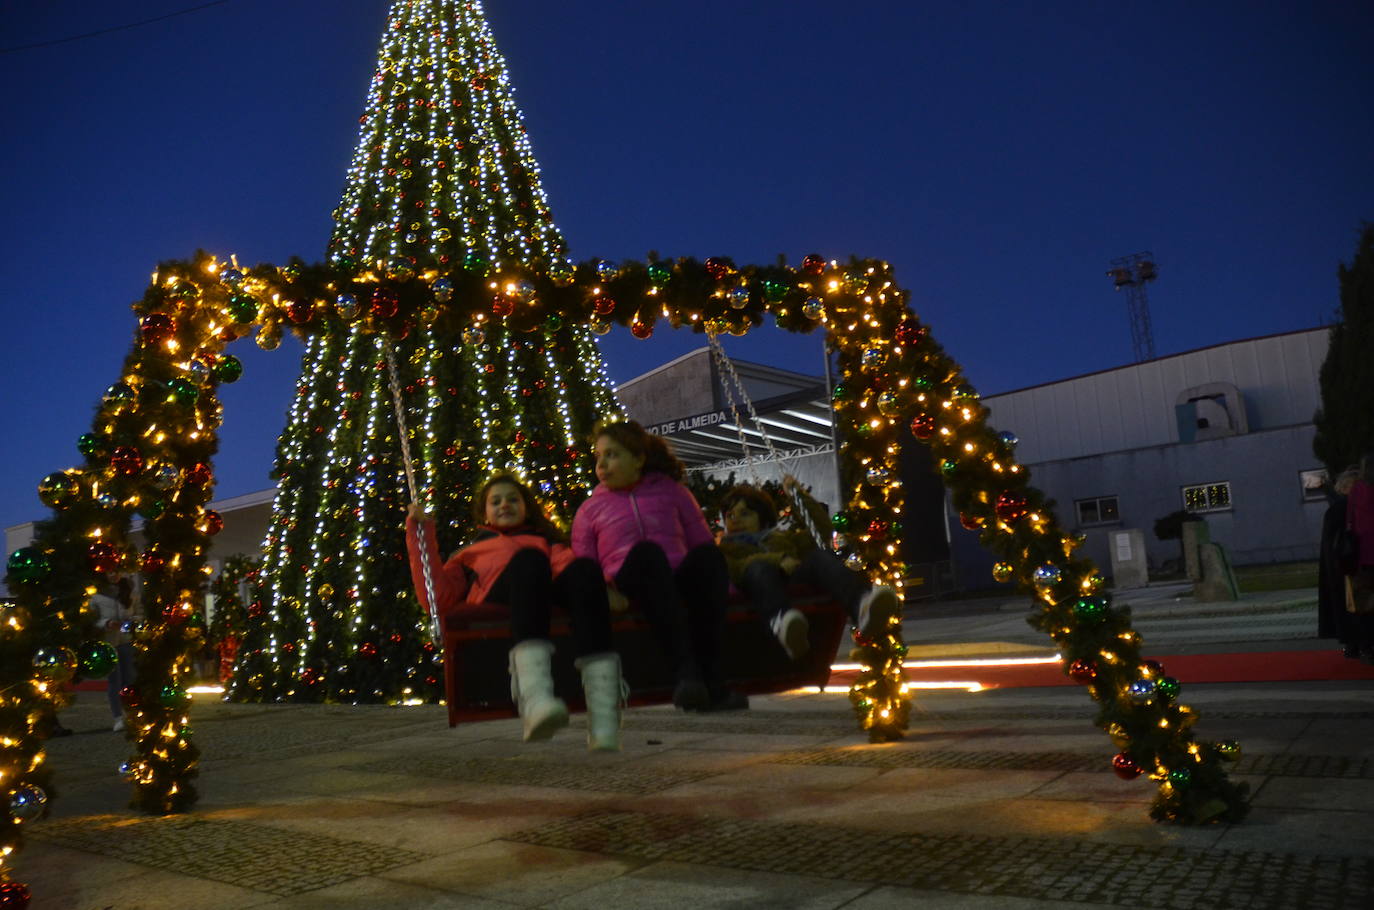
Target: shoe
[877,609]
[59,730]
[727,699]
[118,724]
[691,694]
[793,631]
[606,693]
[531,688]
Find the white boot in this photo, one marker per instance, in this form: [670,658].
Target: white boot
[606,693]
[531,688]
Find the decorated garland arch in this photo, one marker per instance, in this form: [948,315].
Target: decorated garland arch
[453,264]
[154,436]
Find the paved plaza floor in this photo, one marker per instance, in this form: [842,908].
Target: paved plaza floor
[997,799]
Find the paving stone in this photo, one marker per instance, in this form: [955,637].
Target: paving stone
[521,772]
[1038,868]
[1317,766]
[236,853]
[671,886]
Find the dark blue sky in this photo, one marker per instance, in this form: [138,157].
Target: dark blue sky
[999,154]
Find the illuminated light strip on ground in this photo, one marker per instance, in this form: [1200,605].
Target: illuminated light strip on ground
[967,685]
[975,662]
[206,690]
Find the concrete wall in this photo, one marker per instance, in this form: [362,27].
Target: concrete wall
[1269,520]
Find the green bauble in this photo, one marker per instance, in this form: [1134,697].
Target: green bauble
[1168,687]
[183,390]
[152,508]
[229,368]
[774,291]
[96,659]
[93,444]
[59,490]
[855,282]
[172,696]
[1180,777]
[840,521]
[476,262]
[242,308]
[1003,572]
[839,393]
[659,274]
[28,565]
[553,322]
[948,466]
[1090,609]
[922,383]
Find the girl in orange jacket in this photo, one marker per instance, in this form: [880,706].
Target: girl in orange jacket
[519,559]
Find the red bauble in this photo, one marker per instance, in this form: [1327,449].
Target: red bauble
[157,328]
[126,460]
[300,311]
[970,522]
[255,609]
[152,561]
[289,647]
[175,614]
[199,474]
[310,676]
[367,649]
[641,329]
[502,305]
[909,331]
[1011,506]
[877,529]
[717,268]
[1083,671]
[14,896]
[923,426]
[397,638]
[1124,767]
[813,264]
[603,305]
[103,556]
[384,303]
[213,522]
[128,697]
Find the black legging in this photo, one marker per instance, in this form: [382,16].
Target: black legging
[527,586]
[690,635]
[765,583]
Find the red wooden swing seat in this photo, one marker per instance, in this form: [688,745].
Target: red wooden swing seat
[477,640]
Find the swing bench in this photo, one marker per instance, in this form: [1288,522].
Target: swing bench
[476,639]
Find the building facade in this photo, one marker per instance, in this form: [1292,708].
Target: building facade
[1224,432]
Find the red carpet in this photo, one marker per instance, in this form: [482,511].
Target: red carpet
[1247,666]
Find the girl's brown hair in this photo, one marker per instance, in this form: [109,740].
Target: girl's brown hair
[655,451]
[535,518]
[755,500]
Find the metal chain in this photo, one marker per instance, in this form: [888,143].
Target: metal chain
[435,632]
[728,367]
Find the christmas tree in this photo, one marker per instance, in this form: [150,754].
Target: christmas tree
[443,180]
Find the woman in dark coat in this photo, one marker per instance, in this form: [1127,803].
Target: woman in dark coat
[1332,619]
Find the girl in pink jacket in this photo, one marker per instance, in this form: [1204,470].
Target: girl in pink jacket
[655,550]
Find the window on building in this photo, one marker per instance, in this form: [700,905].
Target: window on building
[1099,510]
[1207,497]
[1311,483]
